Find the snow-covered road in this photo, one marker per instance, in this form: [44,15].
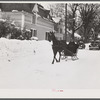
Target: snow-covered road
[21,68]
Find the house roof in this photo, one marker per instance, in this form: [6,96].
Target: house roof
[43,12]
[58,20]
[25,7]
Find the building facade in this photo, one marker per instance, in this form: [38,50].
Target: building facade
[59,28]
[32,17]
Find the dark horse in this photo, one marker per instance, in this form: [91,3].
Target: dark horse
[59,46]
[56,46]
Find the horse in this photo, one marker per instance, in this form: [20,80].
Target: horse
[58,47]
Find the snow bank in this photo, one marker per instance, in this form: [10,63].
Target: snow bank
[16,48]
[27,65]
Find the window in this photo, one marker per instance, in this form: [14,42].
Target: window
[34,33]
[60,30]
[46,36]
[60,38]
[33,19]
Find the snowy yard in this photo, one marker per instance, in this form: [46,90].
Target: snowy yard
[27,65]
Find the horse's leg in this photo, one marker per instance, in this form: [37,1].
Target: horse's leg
[55,57]
[59,55]
[55,52]
[66,58]
[62,55]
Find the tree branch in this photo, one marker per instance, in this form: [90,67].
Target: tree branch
[79,27]
[69,32]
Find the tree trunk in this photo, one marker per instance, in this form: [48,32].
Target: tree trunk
[85,35]
[66,22]
[73,31]
[73,28]
[73,25]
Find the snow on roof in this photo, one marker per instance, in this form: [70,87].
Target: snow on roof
[98,36]
[57,19]
[76,34]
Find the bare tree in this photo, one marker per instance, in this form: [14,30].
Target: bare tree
[69,13]
[72,18]
[57,9]
[88,14]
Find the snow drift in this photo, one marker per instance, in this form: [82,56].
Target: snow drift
[27,65]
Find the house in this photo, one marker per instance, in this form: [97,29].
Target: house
[76,35]
[59,28]
[30,16]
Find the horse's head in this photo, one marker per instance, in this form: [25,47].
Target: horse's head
[51,36]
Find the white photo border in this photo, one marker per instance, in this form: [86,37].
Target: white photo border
[49,93]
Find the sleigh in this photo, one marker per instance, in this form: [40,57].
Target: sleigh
[61,47]
[70,51]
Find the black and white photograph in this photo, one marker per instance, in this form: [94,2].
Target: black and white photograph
[51,46]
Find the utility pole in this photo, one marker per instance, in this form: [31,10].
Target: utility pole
[66,22]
